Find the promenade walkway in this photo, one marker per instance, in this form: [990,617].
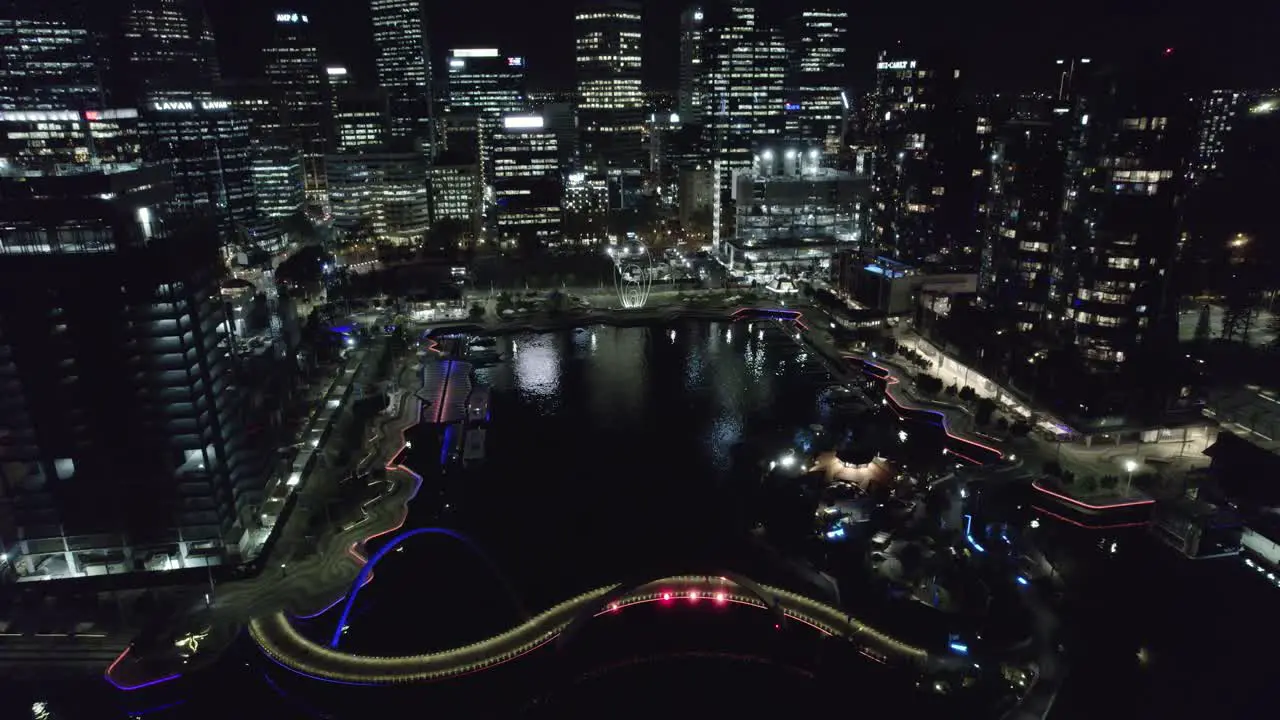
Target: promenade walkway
[958,422]
[300,578]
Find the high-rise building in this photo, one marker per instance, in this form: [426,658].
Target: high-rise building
[121,449]
[381,193]
[361,120]
[923,206]
[610,97]
[527,184]
[692,70]
[817,99]
[1131,133]
[403,63]
[1218,112]
[50,57]
[1018,252]
[483,81]
[745,92]
[586,209]
[483,85]
[166,51]
[457,193]
[294,70]
[206,147]
[259,102]
[278,181]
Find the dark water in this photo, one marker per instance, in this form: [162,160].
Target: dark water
[610,454]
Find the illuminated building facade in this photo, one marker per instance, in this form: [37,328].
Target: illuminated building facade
[206,147]
[484,85]
[58,141]
[926,153]
[1019,247]
[294,70]
[123,443]
[818,45]
[381,194]
[361,120]
[457,193]
[1218,112]
[792,213]
[610,97]
[403,64]
[258,102]
[50,58]
[586,208]
[1130,135]
[692,75]
[526,184]
[745,91]
[279,185]
[166,52]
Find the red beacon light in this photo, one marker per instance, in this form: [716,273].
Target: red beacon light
[1168,51]
[693,596]
[666,596]
[721,598]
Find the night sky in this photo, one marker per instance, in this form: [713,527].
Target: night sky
[1004,44]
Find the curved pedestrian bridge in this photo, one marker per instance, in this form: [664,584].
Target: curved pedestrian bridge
[277,636]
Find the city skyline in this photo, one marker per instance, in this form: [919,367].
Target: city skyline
[1226,49]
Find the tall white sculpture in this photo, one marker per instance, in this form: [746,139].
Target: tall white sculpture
[632,275]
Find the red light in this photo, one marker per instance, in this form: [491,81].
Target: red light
[613,606]
[777,626]
[91,115]
[666,596]
[721,598]
[1168,51]
[693,596]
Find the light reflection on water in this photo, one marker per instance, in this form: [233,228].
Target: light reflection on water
[537,369]
[728,381]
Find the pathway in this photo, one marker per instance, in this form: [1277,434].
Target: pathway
[298,583]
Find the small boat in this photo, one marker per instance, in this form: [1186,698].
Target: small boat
[478,405]
[473,446]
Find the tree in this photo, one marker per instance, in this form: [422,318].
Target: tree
[1002,424]
[983,411]
[477,311]
[929,384]
[967,394]
[952,390]
[1109,482]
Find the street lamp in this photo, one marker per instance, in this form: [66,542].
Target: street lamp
[787,461]
[1130,466]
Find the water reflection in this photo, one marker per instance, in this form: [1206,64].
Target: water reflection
[537,367]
